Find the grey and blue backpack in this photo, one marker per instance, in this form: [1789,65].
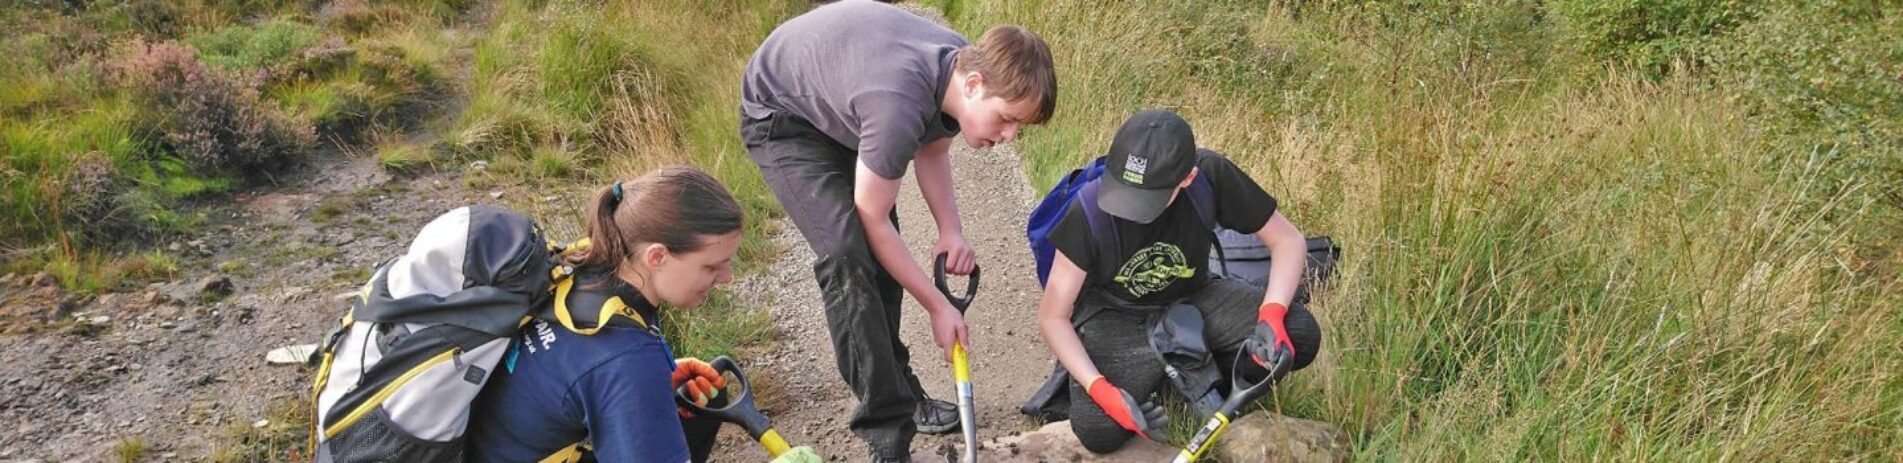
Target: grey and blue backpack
[397,377]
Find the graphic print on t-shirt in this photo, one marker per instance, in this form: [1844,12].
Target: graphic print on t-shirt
[1153,268]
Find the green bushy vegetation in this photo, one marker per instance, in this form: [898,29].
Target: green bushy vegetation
[242,47]
[116,113]
[1631,230]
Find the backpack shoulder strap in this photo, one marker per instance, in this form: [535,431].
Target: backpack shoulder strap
[563,277]
[1202,197]
[1103,227]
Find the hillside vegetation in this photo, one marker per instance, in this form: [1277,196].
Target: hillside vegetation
[1626,230]
[1574,229]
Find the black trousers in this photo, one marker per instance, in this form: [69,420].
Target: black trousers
[812,175]
[1118,343]
[702,432]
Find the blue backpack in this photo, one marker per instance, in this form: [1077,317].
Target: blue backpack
[1079,189]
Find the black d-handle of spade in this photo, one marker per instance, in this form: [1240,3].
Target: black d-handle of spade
[739,410]
[1242,390]
[971,287]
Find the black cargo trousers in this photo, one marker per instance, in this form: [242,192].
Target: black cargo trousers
[812,176]
[1118,343]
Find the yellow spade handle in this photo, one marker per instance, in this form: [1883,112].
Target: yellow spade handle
[1205,439]
[961,370]
[775,445]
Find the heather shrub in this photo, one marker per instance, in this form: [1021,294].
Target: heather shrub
[211,122]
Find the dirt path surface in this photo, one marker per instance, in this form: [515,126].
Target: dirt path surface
[180,372]
[812,405]
[187,376]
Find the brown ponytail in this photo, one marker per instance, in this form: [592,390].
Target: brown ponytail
[675,207]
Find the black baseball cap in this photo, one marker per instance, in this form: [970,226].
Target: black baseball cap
[1152,153]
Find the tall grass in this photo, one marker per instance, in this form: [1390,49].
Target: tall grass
[1548,257]
[566,97]
[579,93]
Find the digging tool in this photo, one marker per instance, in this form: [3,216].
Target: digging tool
[739,409]
[961,370]
[1242,393]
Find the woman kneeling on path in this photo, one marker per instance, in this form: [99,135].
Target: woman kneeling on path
[1115,276]
[666,237]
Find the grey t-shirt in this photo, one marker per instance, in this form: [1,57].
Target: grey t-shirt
[867,74]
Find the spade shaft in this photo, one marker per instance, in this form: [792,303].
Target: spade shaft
[961,367]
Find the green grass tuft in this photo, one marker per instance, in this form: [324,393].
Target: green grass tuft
[250,47]
[403,157]
[282,438]
[553,162]
[130,449]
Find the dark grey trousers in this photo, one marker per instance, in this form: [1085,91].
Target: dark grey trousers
[812,176]
[1118,343]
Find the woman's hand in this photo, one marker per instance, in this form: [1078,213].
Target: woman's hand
[801,454]
[702,381]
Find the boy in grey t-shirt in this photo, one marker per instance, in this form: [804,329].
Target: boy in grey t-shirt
[835,104]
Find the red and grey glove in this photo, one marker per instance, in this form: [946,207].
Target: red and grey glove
[701,380]
[1146,419]
[1270,344]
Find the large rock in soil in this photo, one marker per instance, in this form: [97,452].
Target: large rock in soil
[1055,442]
[1258,437]
[1268,437]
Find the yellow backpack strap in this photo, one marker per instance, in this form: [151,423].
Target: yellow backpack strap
[569,454]
[577,246]
[614,306]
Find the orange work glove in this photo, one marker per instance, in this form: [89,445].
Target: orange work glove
[703,383]
[1270,343]
[1145,419]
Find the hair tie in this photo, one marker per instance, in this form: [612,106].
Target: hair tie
[617,191]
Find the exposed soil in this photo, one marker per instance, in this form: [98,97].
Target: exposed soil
[162,365]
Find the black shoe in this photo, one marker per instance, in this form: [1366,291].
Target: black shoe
[936,417]
[876,459]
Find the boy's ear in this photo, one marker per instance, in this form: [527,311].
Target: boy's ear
[975,85]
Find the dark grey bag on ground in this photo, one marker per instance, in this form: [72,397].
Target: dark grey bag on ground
[1243,257]
[1177,336]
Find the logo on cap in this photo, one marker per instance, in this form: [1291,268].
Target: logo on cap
[1133,169]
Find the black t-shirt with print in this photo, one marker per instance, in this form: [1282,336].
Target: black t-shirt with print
[1165,260]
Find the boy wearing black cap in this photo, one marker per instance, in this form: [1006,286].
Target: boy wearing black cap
[1107,284]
